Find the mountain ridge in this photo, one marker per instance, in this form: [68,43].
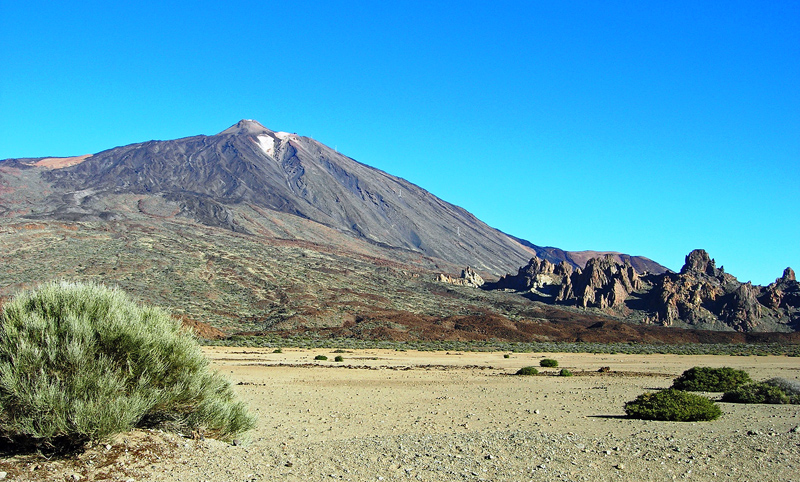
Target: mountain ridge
[251,164]
[267,231]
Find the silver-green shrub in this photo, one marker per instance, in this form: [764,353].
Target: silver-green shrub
[81,362]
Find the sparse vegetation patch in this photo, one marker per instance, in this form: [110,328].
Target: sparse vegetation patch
[548,363]
[674,406]
[527,371]
[311,342]
[81,362]
[707,379]
[773,391]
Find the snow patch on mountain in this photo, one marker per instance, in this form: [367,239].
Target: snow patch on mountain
[267,144]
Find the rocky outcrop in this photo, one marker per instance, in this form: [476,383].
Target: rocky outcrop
[539,276]
[693,295]
[699,296]
[741,309]
[698,261]
[705,296]
[604,283]
[783,293]
[468,278]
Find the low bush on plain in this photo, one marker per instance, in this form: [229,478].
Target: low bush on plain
[674,406]
[320,357]
[527,371]
[565,373]
[81,362]
[707,379]
[773,391]
[339,358]
[548,363]
[790,387]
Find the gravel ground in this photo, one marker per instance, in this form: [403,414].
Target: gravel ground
[385,415]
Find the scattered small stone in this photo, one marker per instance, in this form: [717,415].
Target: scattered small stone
[795,430]
[489,457]
[288,464]
[3,475]
[76,477]
[536,411]
[236,442]
[108,446]
[620,466]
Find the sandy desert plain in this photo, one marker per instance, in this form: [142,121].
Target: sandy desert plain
[435,416]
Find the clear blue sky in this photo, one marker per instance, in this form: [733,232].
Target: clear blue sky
[650,128]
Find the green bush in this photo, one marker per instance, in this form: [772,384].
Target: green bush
[548,363]
[506,356]
[707,379]
[277,350]
[527,371]
[81,362]
[789,387]
[339,358]
[565,373]
[772,391]
[320,357]
[672,405]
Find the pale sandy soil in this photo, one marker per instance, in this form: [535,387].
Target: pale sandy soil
[390,415]
[61,162]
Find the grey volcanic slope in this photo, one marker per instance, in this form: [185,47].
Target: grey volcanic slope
[248,164]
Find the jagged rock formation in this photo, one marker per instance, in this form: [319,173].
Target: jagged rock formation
[538,273]
[468,278]
[695,295]
[604,283]
[700,296]
[783,293]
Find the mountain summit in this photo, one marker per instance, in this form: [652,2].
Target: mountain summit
[236,178]
[247,126]
[248,178]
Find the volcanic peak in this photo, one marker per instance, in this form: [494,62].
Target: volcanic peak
[247,127]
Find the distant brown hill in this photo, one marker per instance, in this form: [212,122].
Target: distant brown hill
[578,259]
